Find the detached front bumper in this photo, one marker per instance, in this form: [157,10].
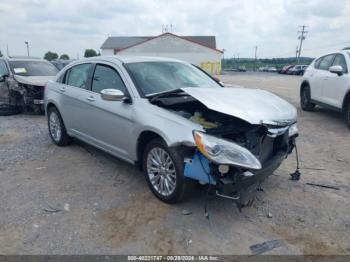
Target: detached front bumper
[237,182]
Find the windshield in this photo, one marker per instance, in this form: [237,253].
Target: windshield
[32,68]
[157,77]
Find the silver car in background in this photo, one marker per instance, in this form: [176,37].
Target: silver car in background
[173,120]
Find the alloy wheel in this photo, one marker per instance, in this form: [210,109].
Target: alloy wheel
[55,127]
[161,171]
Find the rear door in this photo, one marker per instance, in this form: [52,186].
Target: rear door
[320,77]
[75,90]
[336,87]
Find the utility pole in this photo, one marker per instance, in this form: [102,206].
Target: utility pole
[255,57]
[301,37]
[296,54]
[7,50]
[27,44]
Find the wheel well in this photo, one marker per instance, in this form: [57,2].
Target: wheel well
[49,105]
[142,141]
[303,86]
[346,100]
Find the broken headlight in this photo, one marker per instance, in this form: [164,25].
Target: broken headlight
[293,130]
[222,151]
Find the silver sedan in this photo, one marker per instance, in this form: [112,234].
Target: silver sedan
[173,120]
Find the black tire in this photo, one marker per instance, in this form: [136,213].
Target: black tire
[9,110]
[347,113]
[61,139]
[305,99]
[183,185]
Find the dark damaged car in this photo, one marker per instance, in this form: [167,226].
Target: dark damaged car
[174,121]
[22,82]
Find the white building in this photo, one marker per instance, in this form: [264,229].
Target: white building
[197,50]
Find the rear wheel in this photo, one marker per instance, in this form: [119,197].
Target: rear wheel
[305,99]
[57,130]
[164,171]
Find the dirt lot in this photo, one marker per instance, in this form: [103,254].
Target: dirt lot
[104,206]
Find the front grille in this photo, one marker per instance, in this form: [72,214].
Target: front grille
[271,146]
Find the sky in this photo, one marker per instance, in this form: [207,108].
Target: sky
[71,26]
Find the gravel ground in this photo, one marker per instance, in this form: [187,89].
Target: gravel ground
[79,200]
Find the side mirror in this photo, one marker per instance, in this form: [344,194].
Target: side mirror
[337,69]
[112,95]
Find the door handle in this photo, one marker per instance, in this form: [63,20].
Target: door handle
[62,89]
[90,98]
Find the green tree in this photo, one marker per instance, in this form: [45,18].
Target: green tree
[50,56]
[90,53]
[346,48]
[0,54]
[64,57]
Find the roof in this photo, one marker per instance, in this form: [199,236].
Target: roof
[123,42]
[129,59]
[23,58]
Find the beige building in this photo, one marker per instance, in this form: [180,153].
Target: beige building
[197,50]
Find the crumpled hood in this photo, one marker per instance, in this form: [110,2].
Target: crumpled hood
[252,105]
[33,80]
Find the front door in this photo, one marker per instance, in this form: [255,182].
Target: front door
[321,77]
[336,87]
[106,124]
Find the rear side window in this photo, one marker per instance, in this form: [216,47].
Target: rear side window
[3,68]
[78,76]
[106,77]
[326,62]
[340,60]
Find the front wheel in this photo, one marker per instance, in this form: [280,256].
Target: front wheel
[164,171]
[305,100]
[347,114]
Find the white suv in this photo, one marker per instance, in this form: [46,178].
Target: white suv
[326,82]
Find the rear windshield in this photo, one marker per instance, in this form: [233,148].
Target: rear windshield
[32,68]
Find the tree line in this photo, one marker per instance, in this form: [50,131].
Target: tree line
[53,56]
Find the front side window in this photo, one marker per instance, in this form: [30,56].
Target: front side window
[326,62]
[33,68]
[340,60]
[3,69]
[156,77]
[106,77]
[78,76]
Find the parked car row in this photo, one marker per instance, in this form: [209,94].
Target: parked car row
[293,69]
[271,69]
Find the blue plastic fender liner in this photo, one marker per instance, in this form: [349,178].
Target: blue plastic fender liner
[199,169]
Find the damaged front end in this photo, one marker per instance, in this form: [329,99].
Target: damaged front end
[26,93]
[232,155]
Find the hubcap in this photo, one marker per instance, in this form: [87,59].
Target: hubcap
[55,126]
[161,171]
